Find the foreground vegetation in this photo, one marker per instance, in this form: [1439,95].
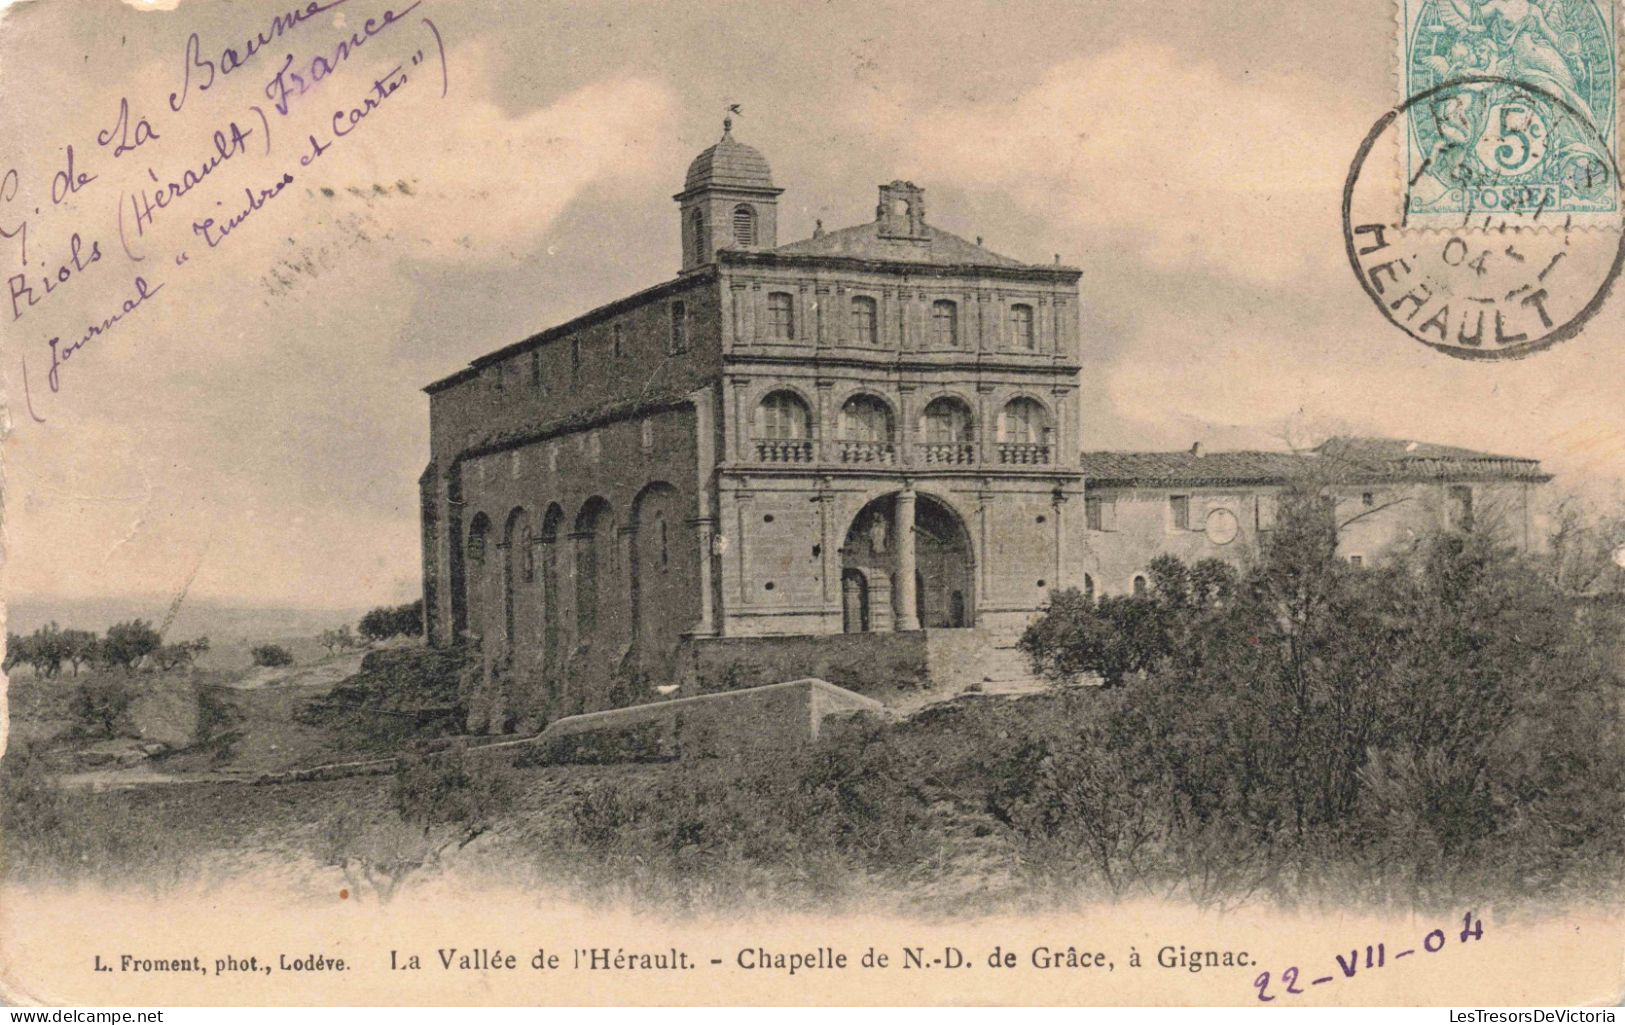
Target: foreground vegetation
[1444,728]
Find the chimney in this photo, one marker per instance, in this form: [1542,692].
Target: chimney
[1198,451]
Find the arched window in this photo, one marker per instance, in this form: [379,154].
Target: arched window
[1140,586]
[864,320]
[1024,432]
[679,328]
[945,324]
[1089,587]
[781,317]
[782,416]
[593,534]
[476,577]
[1024,421]
[866,431]
[866,418]
[744,226]
[551,524]
[945,419]
[1021,327]
[945,432]
[696,224]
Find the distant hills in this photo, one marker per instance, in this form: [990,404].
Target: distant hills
[220,622]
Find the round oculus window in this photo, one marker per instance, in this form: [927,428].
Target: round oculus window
[1222,526]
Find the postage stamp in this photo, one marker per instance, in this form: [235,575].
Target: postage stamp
[1521,116]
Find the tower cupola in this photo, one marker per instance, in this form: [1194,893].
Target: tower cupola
[728,201]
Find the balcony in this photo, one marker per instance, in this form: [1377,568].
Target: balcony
[948,453]
[1023,453]
[783,450]
[866,451]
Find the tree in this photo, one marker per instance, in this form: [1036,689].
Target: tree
[47,649]
[388,621]
[335,640]
[181,654]
[16,646]
[1116,636]
[80,648]
[127,644]
[272,655]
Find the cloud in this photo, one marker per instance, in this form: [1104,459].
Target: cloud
[1172,158]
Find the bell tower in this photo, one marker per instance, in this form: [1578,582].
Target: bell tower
[728,201]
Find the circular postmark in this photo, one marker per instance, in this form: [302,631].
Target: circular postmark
[1502,234]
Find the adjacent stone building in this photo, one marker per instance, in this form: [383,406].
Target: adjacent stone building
[849,456]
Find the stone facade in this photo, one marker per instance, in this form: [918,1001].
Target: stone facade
[620,502]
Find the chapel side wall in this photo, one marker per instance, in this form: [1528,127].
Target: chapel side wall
[628,478]
[567,377]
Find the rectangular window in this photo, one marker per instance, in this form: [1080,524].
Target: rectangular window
[1459,507]
[1266,512]
[679,327]
[781,317]
[944,324]
[1100,513]
[1021,327]
[536,368]
[1367,499]
[1356,561]
[864,318]
[1179,506]
[575,356]
[617,339]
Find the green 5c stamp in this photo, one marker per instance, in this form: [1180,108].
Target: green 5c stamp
[1520,123]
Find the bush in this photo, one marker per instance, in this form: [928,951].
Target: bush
[388,621]
[272,655]
[1426,728]
[442,802]
[101,706]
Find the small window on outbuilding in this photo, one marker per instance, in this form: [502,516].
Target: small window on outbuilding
[1179,508]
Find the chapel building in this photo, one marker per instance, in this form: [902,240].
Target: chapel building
[850,456]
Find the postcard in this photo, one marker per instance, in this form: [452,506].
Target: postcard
[848,503]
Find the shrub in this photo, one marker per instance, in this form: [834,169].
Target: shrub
[388,621]
[272,655]
[127,644]
[101,706]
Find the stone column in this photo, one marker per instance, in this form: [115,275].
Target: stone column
[908,617]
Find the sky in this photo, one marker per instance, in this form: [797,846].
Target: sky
[258,420]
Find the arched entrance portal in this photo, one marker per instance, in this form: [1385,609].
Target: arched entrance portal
[921,578]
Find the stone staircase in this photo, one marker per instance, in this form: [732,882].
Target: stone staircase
[1005,671]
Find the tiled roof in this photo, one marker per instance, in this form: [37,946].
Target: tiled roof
[864,242]
[1125,468]
[1351,459]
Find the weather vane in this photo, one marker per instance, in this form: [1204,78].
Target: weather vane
[727,117]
